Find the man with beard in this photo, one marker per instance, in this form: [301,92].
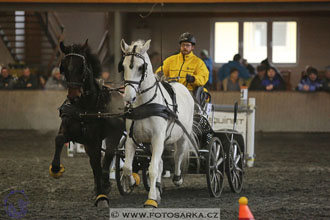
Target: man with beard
[185,66]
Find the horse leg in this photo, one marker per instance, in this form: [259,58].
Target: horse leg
[128,165]
[159,180]
[157,143]
[94,153]
[57,169]
[180,148]
[108,157]
[114,131]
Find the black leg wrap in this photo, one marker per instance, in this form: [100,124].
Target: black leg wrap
[177,178]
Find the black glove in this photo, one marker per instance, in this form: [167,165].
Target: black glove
[190,78]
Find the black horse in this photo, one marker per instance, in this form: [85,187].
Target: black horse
[81,68]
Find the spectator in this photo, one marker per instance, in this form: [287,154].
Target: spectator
[224,71]
[310,82]
[273,81]
[256,83]
[268,65]
[249,67]
[27,80]
[208,62]
[56,81]
[326,82]
[6,80]
[232,83]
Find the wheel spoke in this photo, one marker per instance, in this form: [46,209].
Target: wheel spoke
[237,159]
[212,156]
[239,170]
[217,148]
[220,173]
[213,177]
[238,180]
[215,184]
[234,150]
[233,176]
[219,161]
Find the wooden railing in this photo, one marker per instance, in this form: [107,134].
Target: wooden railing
[54,31]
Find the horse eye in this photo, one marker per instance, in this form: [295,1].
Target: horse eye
[140,68]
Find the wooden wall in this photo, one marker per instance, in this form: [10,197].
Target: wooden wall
[276,111]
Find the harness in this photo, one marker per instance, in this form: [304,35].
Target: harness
[86,70]
[149,109]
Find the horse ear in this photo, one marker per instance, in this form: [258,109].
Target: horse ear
[123,45]
[146,46]
[85,45]
[64,49]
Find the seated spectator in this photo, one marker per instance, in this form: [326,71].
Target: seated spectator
[256,83]
[224,71]
[310,82]
[6,80]
[232,83]
[56,81]
[273,81]
[267,64]
[27,80]
[249,67]
[208,62]
[326,82]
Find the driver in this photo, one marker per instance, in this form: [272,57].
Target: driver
[189,69]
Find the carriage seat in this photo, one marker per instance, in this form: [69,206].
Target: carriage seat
[201,96]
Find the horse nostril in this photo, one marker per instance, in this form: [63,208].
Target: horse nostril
[133,100]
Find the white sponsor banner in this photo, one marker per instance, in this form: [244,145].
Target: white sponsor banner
[225,120]
[164,213]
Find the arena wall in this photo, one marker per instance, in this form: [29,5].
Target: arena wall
[276,111]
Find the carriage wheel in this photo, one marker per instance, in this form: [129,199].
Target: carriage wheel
[234,167]
[215,167]
[122,183]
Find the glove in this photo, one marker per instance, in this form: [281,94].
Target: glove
[190,78]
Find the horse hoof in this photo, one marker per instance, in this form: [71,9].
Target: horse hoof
[151,204]
[102,201]
[58,174]
[177,180]
[136,178]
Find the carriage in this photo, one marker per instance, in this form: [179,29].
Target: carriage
[219,152]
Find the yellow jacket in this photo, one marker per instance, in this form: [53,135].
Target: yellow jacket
[190,64]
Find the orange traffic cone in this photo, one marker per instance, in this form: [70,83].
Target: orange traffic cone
[244,211]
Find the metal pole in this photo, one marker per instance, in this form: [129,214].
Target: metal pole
[250,133]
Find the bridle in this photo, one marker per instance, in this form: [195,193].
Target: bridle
[144,70]
[86,70]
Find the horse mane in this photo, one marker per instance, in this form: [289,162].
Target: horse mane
[91,59]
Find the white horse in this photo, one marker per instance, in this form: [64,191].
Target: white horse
[142,89]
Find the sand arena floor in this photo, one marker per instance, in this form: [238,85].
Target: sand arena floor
[290,180]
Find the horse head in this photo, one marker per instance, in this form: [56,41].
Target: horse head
[135,66]
[78,66]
